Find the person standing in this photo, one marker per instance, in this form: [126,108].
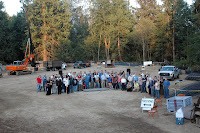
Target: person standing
[66,83]
[157,89]
[140,83]
[59,84]
[87,81]
[44,81]
[96,76]
[49,85]
[92,81]
[154,91]
[161,87]
[79,77]
[71,84]
[100,74]
[109,81]
[103,81]
[130,79]
[144,80]
[166,86]
[80,84]
[75,84]
[119,82]
[39,80]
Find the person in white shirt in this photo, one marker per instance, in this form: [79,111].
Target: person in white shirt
[96,76]
[123,82]
[103,80]
[157,88]
[130,79]
[70,73]
[66,82]
[80,83]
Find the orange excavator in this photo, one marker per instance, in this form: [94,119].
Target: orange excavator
[20,67]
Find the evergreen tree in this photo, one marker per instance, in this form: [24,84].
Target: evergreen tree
[50,26]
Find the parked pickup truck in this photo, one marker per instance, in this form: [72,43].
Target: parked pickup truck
[79,64]
[169,72]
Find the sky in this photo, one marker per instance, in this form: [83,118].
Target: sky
[14,6]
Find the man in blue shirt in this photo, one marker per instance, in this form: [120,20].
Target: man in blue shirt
[44,80]
[87,81]
[166,85]
[100,74]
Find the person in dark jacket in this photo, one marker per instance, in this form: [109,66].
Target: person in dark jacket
[59,84]
[75,85]
[49,86]
[71,84]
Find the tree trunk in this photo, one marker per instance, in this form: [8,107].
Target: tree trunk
[108,48]
[143,47]
[44,49]
[119,51]
[105,41]
[173,39]
[45,38]
[99,47]
[168,44]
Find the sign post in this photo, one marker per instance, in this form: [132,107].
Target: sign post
[147,103]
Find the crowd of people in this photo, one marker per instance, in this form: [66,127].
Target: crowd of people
[73,82]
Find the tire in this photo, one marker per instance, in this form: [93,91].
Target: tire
[173,78]
[17,73]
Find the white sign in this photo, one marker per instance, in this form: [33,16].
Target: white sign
[147,102]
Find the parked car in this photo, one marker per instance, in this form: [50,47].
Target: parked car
[79,64]
[169,72]
[88,64]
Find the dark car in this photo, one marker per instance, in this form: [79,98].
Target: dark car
[79,64]
[88,64]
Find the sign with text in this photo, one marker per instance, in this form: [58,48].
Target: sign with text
[147,102]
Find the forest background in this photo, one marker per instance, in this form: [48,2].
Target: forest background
[104,29]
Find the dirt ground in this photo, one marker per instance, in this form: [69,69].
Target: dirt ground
[22,109]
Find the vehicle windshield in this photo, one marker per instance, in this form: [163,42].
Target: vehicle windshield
[17,63]
[78,62]
[167,69]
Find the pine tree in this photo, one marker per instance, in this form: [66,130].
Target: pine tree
[50,26]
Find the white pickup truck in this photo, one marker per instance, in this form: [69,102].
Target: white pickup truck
[169,72]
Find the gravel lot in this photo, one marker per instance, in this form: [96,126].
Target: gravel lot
[22,109]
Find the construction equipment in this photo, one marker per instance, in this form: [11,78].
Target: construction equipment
[18,67]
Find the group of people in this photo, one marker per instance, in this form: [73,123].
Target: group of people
[73,82]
